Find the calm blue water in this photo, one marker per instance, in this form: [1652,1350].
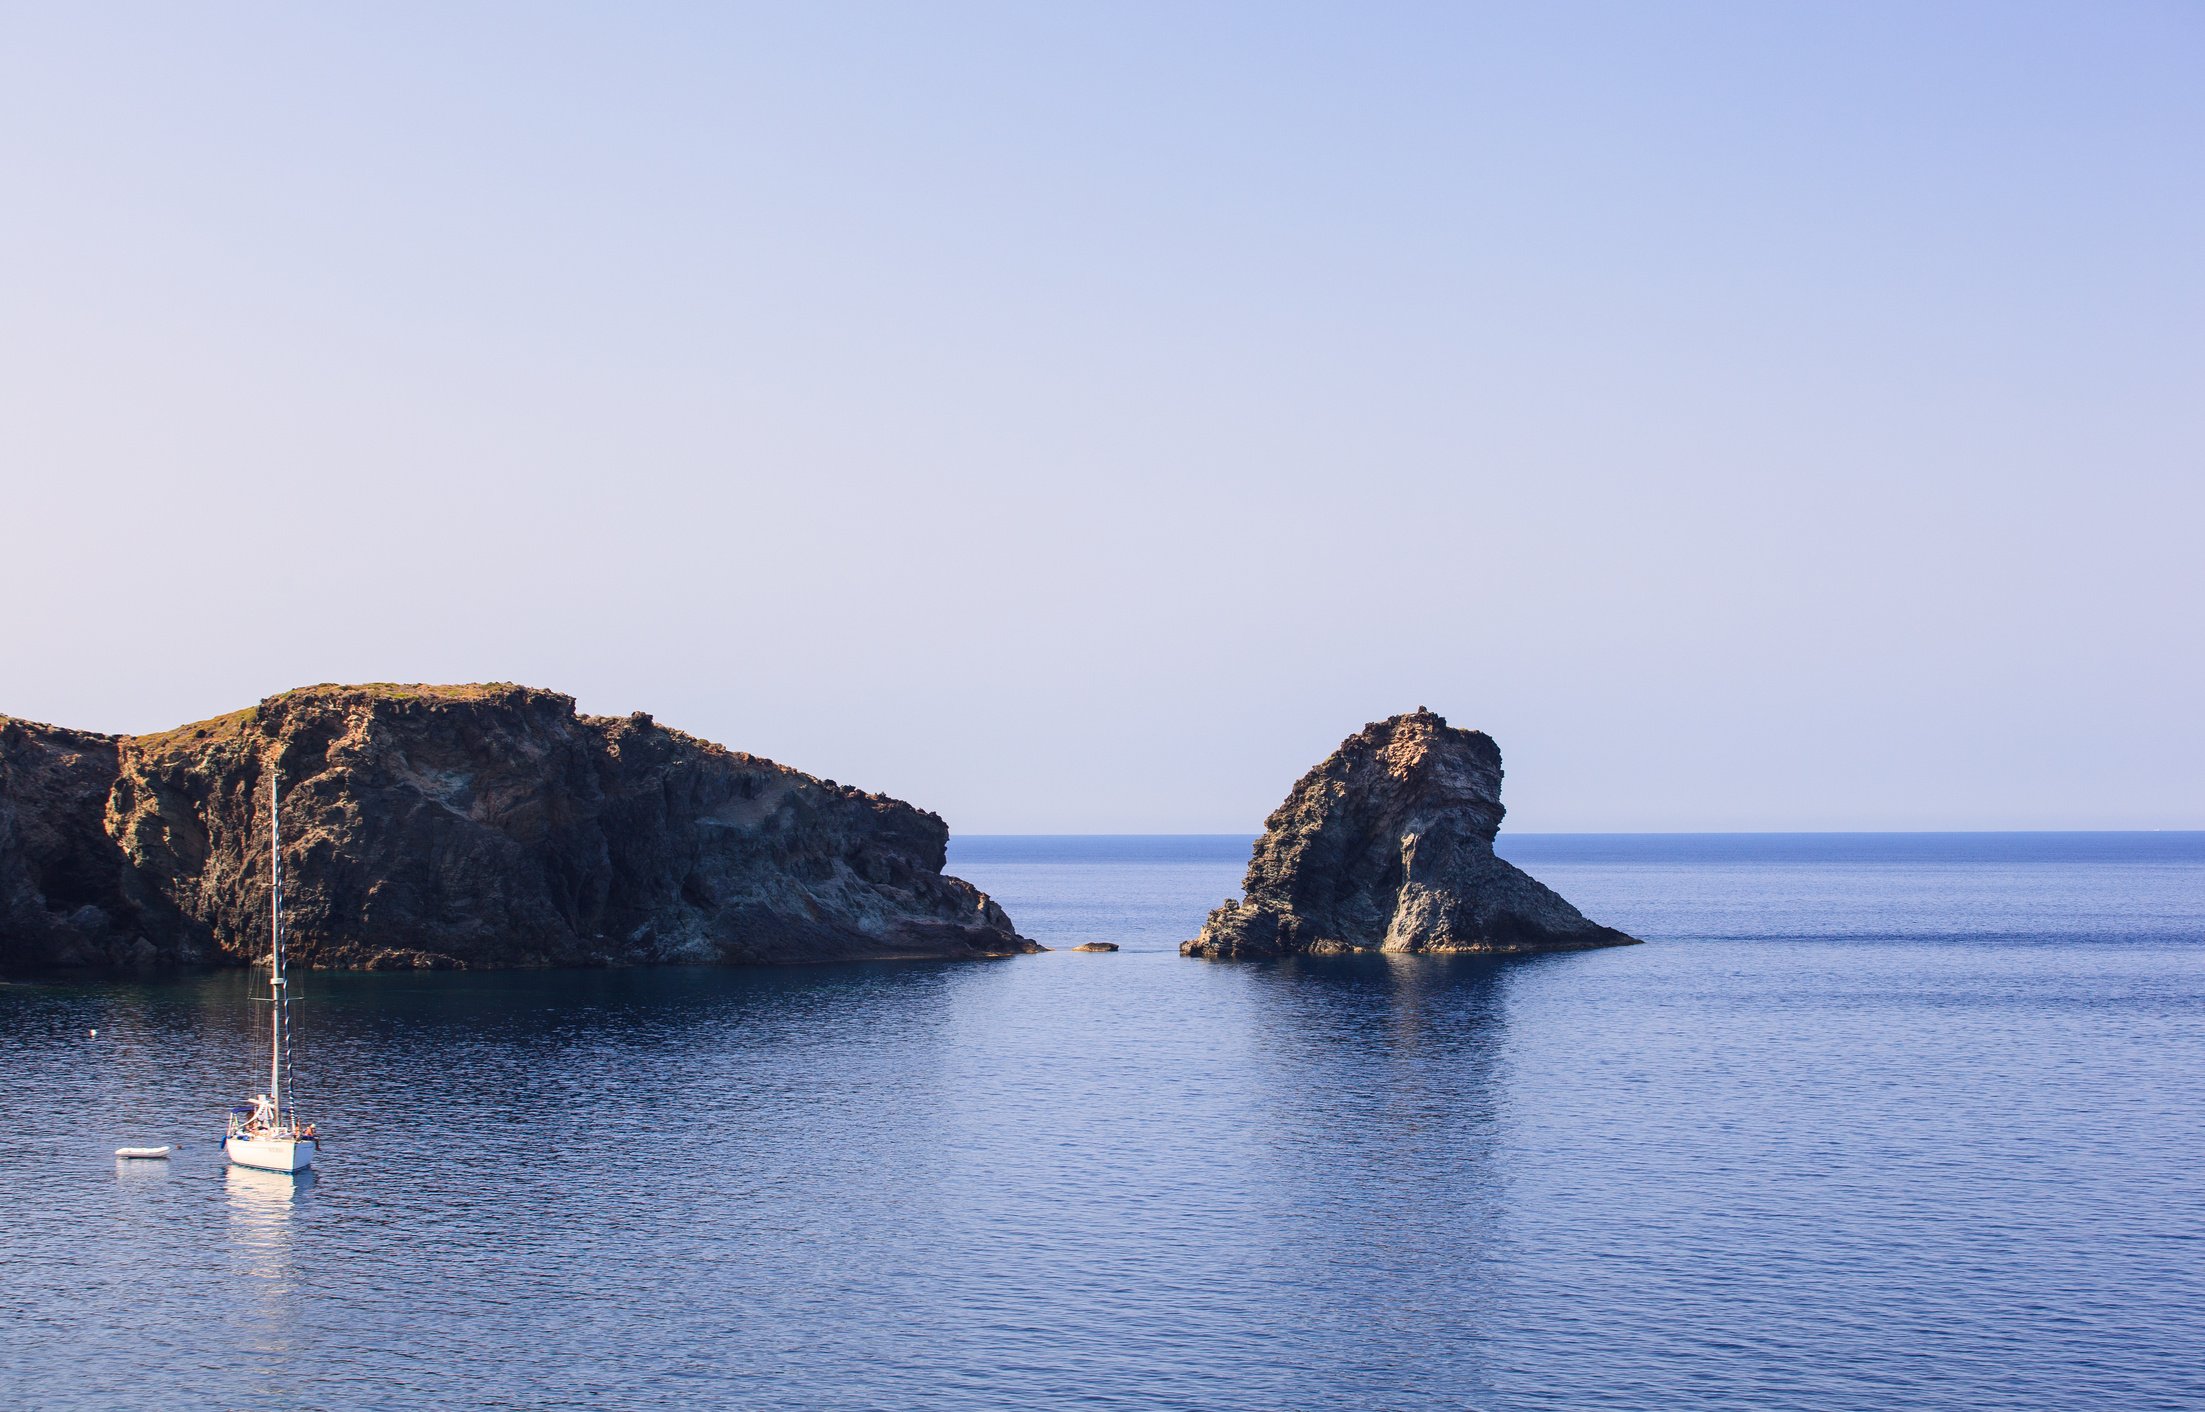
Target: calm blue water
[1881,1121]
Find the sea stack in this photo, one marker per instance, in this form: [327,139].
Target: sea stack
[441,827]
[1388,846]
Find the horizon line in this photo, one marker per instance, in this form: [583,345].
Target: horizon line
[1639,833]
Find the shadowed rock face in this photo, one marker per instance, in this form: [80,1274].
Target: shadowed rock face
[484,826]
[64,897]
[1388,846]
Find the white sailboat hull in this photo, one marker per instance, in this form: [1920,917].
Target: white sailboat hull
[270,1154]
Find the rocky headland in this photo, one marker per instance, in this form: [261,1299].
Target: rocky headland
[459,827]
[1388,846]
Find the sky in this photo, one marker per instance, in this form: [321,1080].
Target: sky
[1078,418]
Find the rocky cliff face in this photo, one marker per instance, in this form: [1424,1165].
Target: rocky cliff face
[1388,846]
[480,826]
[63,899]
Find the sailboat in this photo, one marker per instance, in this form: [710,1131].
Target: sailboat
[268,1135]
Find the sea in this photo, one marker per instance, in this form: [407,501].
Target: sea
[1870,1121]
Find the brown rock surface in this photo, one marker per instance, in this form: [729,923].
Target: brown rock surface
[64,897]
[473,826]
[1388,846]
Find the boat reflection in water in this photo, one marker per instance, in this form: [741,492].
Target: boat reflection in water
[264,1200]
[262,1205]
[263,1208]
[140,1174]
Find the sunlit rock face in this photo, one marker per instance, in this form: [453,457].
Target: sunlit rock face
[1388,846]
[468,826]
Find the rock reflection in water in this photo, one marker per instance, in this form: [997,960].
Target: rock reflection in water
[1385,1084]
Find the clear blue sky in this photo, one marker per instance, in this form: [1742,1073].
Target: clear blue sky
[1080,418]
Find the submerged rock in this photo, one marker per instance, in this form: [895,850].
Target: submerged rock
[474,826]
[1388,846]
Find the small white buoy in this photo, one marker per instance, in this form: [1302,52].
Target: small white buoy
[95,1034]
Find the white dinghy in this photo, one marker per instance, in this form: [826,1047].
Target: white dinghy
[267,1134]
[145,1153]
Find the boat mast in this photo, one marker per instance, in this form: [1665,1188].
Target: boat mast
[275,956]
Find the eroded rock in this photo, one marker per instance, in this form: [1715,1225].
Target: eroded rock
[1388,846]
[476,826]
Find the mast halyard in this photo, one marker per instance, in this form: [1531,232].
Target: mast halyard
[278,1021]
[268,1135]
